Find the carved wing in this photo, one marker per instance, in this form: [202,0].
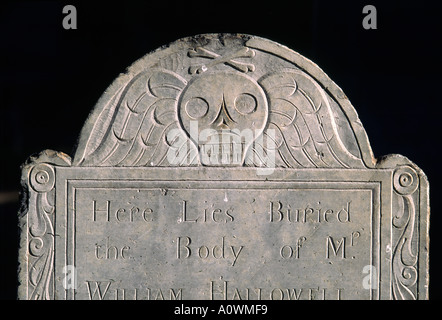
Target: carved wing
[302,131]
[132,128]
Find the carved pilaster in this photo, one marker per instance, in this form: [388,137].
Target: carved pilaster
[405,236]
[36,220]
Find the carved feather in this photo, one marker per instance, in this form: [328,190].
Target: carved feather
[137,123]
[304,124]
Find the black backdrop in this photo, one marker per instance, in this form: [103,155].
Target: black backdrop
[50,78]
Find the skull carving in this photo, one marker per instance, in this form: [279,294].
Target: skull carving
[218,111]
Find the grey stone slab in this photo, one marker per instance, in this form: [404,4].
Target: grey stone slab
[223,167]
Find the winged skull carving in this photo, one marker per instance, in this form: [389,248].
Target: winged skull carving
[288,109]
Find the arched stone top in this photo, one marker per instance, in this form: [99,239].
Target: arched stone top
[224,100]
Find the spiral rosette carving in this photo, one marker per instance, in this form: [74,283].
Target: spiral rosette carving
[41,231]
[405,180]
[405,253]
[42,177]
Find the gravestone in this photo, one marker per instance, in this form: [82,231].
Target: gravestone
[223,167]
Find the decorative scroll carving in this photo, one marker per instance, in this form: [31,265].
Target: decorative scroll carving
[41,232]
[39,182]
[405,237]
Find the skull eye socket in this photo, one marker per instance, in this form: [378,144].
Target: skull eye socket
[245,104]
[196,108]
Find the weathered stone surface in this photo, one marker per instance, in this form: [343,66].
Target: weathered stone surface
[223,167]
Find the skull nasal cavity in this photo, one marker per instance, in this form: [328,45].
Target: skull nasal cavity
[223,118]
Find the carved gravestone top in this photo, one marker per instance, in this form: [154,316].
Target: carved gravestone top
[223,167]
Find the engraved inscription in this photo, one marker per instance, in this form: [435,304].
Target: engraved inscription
[210,214]
[108,251]
[107,290]
[290,213]
[224,290]
[175,228]
[220,251]
[130,213]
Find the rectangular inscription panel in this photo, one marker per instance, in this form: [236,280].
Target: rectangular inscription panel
[210,236]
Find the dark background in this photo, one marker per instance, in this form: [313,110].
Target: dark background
[51,78]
